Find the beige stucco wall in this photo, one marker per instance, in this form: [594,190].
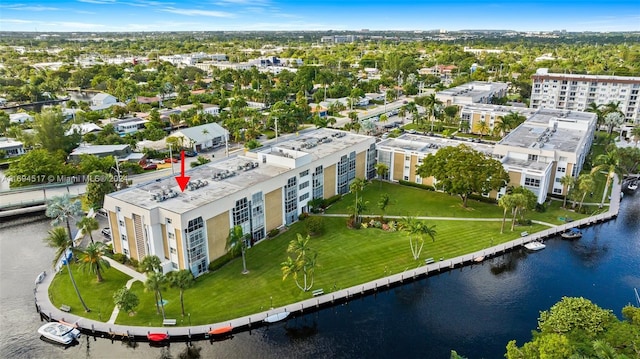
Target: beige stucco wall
[361,159]
[273,209]
[329,186]
[217,233]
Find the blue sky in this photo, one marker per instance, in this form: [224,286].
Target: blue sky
[238,15]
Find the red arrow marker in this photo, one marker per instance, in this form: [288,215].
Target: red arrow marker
[182,179]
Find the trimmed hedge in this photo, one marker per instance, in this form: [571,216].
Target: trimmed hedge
[416,185]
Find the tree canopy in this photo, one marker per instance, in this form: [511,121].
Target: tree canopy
[463,171]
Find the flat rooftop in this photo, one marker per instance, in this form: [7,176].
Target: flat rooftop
[538,131]
[474,88]
[429,144]
[229,175]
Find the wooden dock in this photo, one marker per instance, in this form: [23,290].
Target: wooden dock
[201,332]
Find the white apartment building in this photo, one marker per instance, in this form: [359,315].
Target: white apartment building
[261,190]
[472,92]
[576,92]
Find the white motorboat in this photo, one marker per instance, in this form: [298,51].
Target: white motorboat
[59,332]
[276,317]
[534,246]
[40,277]
[633,186]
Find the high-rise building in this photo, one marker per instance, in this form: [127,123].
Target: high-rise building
[576,92]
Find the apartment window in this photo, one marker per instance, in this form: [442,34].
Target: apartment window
[174,265]
[241,212]
[168,220]
[558,180]
[304,185]
[557,191]
[121,223]
[171,235]
[406,178]
[533,157]
[124,237]
[304,173]
[125,251]
[562,169]
[304,196]
[173,250]
[118,209]
[531,182]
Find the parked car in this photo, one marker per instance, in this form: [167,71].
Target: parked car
[106,232]
[150,166]
[190,153]
[156,161]
[170,160]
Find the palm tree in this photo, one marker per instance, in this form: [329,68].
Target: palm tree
[482,127]
[433,104]
[59,240]
[237,242]
[518,202]
[357,186]
[568,182]
[87,225]
[150,264]
[92,258]
[585,185]
[303,262]
[381,170]
[613,119]
[608,162]
[506,202]
[62,209]
[595,108]
[635,134]
[155,282]
[416,230]
[182,280]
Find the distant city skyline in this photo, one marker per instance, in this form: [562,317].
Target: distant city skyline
[287,15]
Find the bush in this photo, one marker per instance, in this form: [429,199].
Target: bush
[331,200]
[303,216]
[119,257]
[314,225]
[524,222]
[134,263]
[220,262]
[416,185]
[274,232]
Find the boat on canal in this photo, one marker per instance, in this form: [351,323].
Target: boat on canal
[573,233]
[535,246]
[276,317]
[62,333]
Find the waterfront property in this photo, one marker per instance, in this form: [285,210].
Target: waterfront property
[537,154]
[260,191]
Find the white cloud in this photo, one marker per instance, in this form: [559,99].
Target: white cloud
[99,2]
[243,2]
[22,7]
[196,12]
[17,21]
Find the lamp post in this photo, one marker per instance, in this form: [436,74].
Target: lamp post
[171,158]
[271,297]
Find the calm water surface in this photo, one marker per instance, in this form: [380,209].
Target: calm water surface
[475,310]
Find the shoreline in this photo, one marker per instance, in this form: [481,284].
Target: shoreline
[48,312]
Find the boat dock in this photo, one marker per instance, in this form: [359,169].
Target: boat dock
[317,301]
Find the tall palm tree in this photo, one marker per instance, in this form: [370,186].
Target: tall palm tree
[87,225]
[506,202]
[432,104]
[156,282]
[613,119]
[59,240]
[635,134]
[63,209]
[357,186]
[182,280]
[595,108]
[237,242]
[92,258]
[608,162]
[302,263]
[568,182]
[585,185]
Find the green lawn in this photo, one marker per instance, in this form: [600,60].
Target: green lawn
[97,296]
[346,257]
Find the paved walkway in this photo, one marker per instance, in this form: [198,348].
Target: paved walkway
[442,218]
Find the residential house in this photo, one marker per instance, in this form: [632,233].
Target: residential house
[11,147]
[202,137]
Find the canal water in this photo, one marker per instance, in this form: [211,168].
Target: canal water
[474,310]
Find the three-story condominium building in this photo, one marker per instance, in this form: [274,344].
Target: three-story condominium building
[537,154]
[576,92]
[260,190]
